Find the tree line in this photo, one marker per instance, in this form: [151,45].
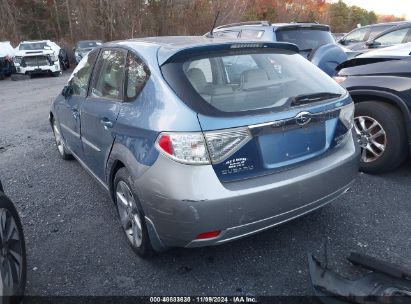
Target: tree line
[67,21]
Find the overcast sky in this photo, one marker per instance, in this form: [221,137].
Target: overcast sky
[400,8]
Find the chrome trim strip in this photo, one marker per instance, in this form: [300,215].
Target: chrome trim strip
[69,130]
[289,123]
[89,171]
[88,143]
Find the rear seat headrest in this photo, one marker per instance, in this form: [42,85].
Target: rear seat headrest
[197,79]
[254,75]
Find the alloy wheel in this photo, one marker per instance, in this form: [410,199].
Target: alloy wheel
[11,250]
[129,214]
[372,138]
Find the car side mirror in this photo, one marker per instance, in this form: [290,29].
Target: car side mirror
[341,41]
[373,44]
[67,91]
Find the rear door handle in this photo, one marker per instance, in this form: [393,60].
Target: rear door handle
[107,123]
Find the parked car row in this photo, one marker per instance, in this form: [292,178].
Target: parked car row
[39,57]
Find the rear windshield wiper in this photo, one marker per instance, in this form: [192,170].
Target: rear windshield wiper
[309,98]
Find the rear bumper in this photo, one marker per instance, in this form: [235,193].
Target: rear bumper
[183,201]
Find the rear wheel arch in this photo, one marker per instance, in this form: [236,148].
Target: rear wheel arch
[51,117]
[388,98]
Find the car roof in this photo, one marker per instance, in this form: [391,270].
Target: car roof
[91,40]
[275,26]
[169,46]
[394,23]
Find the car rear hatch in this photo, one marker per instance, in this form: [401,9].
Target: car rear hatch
[261,109]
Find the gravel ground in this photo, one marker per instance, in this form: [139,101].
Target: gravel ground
[76,246]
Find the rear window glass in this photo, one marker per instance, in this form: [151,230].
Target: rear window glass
[87,44]
[227,34]
[357,35]
[233,83]
[32,46]
[251,34]
[305,39]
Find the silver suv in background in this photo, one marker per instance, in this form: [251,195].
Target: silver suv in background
[83,47]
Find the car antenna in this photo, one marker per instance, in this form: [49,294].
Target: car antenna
[211,34]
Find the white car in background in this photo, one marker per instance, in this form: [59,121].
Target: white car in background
[35,57]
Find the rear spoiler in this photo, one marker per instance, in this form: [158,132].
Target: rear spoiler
[166,55]
[321,27]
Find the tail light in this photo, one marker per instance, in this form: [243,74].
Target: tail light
[194,148]
[187,148]
[347,115]
[347,118]
[223,144]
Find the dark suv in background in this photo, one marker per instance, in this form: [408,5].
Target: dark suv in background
[314,40]
[380,84]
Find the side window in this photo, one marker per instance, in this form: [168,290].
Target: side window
[79,80]
[227,34]
[252,34]
[137,76]
[377,30]
[235,66]
[357,35]
[108,82]
[394,37]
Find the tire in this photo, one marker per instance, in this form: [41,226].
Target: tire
[61,147]
[57,74]
[131,214]
[13,254]
[387,151]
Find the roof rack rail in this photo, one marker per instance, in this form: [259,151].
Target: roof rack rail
[263,23]
[316,22]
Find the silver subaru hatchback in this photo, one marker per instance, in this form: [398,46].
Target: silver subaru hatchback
[200,141]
